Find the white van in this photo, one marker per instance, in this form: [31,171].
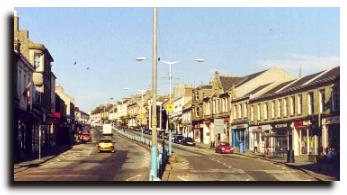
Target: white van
[107,129]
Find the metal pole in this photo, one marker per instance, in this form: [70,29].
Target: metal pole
[40,142]
[154,172]
[141,115]
[170,130]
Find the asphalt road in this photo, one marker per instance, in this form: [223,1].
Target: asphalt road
[130,162]
[196,164]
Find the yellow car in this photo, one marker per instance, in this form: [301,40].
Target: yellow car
[105,145]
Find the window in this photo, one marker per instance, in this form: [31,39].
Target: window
[252,113]
[299,104]
[37,60]
[292,105]
[335,101]
[214,106]
[321,101]
[197,95]
[278,108]
[258,112]
[265,110]
[273,109]
[240,111]
[285,106]
[310,103]
[235,112]
[197,111]
[244,110]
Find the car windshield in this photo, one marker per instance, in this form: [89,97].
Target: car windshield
[224,144]
[106,141]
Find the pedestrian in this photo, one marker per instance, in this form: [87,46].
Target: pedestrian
[331,154]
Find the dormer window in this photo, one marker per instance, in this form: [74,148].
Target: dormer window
[37,60]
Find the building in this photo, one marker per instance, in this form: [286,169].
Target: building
[81,117]
[22,94]
[68,127]
[187,120]
[199,94]
[42,86]
[182,95]
[300,115]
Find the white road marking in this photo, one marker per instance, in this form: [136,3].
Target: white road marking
[130,178]
[181,178]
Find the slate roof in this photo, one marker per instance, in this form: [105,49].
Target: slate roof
[249,77]
[301,83]
[228,81]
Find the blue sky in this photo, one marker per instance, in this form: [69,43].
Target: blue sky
[235,41]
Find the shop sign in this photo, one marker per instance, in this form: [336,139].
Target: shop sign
[240,126]
[281,125]
[301,123]
[197,126]
[331,120]
[266,127]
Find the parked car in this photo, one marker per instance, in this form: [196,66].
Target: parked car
[178,139]
[85,137]
[106,145]
[224,148]
[188,141]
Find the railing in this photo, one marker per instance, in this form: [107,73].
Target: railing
[162,157]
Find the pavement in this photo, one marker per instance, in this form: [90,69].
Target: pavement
[31,162]
[202,164]
[324,171]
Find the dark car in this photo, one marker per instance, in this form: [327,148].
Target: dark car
[188,141]
[178,139]
[224,148]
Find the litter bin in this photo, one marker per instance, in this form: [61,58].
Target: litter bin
[242,147]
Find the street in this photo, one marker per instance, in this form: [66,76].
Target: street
[196,164]
[130,162]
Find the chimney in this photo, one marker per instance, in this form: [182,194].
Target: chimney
[300,71]
[15,22]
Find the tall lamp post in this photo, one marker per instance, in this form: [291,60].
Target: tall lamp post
[154,149]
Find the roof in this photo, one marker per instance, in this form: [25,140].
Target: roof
[301,83]
[249,77]
[204,87]
[228,81]
[256,90]
[187,105]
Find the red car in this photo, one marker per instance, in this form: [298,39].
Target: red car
[84,137]
[224,148]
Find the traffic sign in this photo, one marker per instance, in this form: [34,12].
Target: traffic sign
[169,107]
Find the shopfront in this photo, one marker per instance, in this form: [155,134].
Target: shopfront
[281,139]
[240,138]
[305,141]
[198,132]
[258,138]
[331,133]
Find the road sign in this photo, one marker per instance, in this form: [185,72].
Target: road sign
[169,107]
